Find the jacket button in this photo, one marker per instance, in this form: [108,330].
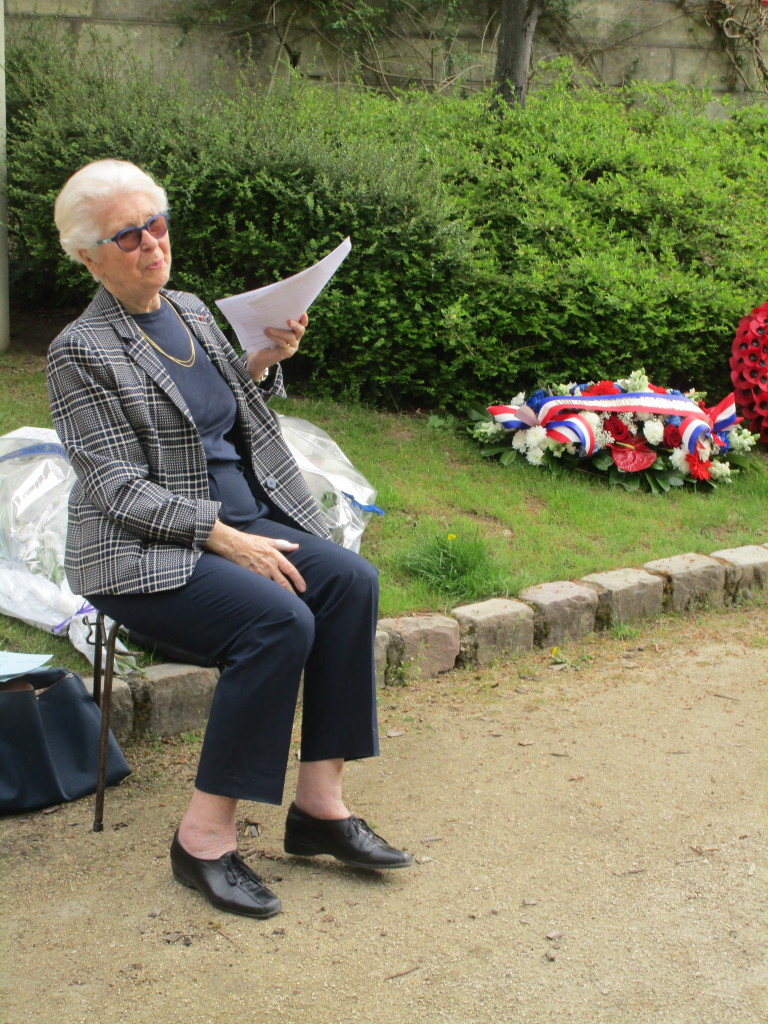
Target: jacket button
[270,483]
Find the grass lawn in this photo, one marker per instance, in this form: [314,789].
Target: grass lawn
[432,483]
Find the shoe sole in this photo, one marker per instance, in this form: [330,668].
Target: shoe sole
[261,915]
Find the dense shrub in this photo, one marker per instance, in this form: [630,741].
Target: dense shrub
[592,233]
[625,228]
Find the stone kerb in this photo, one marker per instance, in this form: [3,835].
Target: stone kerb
[421,646]
[171,698]
[625,595]
[561,610]
[690,581]
[491,629]
[746,568]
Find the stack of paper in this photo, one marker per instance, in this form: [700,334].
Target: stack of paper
[275,304]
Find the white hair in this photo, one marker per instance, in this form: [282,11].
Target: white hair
[79,207]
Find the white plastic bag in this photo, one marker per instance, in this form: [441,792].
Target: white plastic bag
[35,481]
[345,496]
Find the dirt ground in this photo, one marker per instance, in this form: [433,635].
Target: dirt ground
[590,847]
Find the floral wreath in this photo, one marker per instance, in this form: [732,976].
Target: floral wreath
[629,430]
[749,369]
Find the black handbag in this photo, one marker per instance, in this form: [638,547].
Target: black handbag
[49,741]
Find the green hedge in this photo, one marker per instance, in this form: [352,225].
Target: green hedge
[594,232]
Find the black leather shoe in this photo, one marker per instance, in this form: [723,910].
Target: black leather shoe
[227,882]
[349,840]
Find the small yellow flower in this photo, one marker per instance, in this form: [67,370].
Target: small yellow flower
[451,536]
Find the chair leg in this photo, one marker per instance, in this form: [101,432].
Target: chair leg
[103,697]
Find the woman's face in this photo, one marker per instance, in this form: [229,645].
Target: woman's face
[134,278]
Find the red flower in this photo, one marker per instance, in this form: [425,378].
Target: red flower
[603,387]
[655,387]
[633,457]
[699,468]
[618,429]
[672,436]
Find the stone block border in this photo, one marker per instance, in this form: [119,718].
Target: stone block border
[173,698]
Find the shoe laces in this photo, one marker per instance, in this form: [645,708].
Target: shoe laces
[238,873]
[363,826]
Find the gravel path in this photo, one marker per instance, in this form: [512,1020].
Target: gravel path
[589,841]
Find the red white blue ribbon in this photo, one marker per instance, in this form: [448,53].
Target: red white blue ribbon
[695,426]
[573,429]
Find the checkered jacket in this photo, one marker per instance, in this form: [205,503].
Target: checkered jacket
[140,511]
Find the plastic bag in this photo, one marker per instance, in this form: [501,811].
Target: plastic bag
[345,496]
[35,481]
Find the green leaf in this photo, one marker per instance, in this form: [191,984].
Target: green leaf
[630,482]
[602,459]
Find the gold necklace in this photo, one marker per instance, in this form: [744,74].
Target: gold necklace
[190,360]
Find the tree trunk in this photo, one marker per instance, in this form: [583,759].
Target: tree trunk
[517,28]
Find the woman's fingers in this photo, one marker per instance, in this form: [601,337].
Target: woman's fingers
[283,545]
[262,555]
[288,576]
[288,340]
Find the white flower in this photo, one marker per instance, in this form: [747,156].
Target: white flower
[703,449]
[518,399]
[679,461]
[720,471]
[592,419]
[518,440]
[741,440]
[488,430]
[654,431]
[636,381]
[535,437]
[695,396]
[535,456]
[564,389]
[602,438]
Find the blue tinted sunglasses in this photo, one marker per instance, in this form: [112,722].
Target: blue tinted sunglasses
[129,239]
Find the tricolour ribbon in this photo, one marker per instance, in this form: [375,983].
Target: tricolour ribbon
[696,424]
[574,429]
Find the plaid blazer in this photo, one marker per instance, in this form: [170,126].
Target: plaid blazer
[140,511]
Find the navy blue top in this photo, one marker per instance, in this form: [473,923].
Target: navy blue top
[213,407]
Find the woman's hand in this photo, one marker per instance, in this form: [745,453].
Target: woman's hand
[258,554]
[287,342]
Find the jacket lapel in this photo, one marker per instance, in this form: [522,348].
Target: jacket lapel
[138,348]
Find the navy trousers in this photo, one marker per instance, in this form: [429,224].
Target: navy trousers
[265,636]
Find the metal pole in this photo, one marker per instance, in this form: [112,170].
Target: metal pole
[5,322]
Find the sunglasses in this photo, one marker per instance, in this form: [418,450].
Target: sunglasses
[129,239]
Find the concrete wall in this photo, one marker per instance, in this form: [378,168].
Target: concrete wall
[620,40]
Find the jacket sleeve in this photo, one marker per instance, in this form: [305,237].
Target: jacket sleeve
[109,432]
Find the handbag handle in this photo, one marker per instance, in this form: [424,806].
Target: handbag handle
[38,679]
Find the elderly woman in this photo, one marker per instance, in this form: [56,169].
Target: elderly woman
[191,523]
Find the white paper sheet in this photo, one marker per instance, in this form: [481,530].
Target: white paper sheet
[275,304]
[17,664]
